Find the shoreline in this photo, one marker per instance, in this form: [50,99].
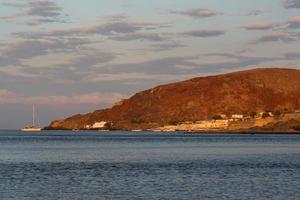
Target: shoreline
[241,132]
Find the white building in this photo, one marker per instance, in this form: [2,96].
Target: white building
[266,113]
[99,124]
[88,126]
[237,116]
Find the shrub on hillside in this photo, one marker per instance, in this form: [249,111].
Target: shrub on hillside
[253,114]
[217,117]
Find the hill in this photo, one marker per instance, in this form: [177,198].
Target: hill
[243,92]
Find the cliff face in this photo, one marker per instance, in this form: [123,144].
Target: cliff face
[200,98]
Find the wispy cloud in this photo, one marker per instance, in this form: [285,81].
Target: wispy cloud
[197,13]
[260,25]
[256,12]
[204,33]
[294,22]
[142,36]
[38,11]
[166,65]
[238,61]
[292,4]
[292,55]
[167,45]
[14,4]
[95,98]
[131,77]
[108,28]
[277,37]
[13,53]
[43,8]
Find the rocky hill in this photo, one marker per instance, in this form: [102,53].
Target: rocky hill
[257,90]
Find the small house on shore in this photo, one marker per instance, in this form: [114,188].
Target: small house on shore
[237,117]
[97,125]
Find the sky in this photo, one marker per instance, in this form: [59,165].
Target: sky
[70,57]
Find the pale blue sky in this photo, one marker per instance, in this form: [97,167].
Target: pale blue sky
[71,56]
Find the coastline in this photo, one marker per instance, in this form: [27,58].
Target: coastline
[236,132]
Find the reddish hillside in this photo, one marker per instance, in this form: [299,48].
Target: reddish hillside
[200,98]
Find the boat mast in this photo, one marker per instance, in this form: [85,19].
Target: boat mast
[33,117]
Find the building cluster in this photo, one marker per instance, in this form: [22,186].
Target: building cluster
[223,121]
[218,122]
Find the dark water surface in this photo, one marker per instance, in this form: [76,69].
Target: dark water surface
[119,165]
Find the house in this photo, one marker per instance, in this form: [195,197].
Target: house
[223,116]
[88,126]
[98,125]
[237,116]
[262,114]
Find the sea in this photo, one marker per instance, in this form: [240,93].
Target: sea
[54,165]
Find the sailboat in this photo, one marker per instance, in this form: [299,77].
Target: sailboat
[32,128]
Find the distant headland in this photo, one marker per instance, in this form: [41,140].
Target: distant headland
[263,99]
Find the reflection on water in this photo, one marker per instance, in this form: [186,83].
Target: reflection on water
[119,165]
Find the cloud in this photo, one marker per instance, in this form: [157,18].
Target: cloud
[81,63]
[255,13]
[167,65]
[292,4]
[14,53]
[16,5]
[204,33]
[236,62]
[142,36]
[294,22]
[40,11]
[95,98]
[277,37]
[243,61]
[167,45]
[43,8]
[292,55]
[260,25]
[197,13]
[108,28]
[92,59]
[69,71]
[188,66]
[35,22]
[130,76]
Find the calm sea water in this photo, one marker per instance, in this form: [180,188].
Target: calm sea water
[119,165]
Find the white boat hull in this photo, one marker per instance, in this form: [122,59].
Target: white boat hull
[31,129]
